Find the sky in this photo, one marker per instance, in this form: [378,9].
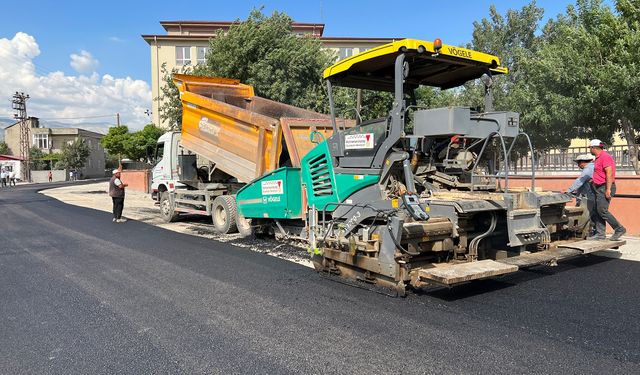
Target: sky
[87,59]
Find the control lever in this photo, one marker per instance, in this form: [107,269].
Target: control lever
[412,204]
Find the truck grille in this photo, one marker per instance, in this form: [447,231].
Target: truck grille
[320,178]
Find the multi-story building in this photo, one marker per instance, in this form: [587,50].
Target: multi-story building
[51,140]
[186,43]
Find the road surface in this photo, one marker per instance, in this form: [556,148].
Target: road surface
[82,295]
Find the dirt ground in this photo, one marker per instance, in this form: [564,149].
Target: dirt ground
[139,206]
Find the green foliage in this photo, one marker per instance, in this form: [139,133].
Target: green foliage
[111,162]
[136,144]
[4,148]
[512,38]
[119,142]
[37,159]
[263,52]
[584,75]
[74,154]
[170,105]
[115,141]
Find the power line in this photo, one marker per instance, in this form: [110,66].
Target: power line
[76,118]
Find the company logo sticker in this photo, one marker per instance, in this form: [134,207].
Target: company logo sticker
[209,126]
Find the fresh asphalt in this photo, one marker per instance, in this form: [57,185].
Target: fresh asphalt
[82,295]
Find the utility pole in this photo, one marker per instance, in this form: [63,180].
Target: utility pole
[20,106]
[118,119]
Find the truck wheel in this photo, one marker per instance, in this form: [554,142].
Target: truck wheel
[245,227]
[167,208]
[223,214]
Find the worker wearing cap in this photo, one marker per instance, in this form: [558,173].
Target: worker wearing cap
[116,191]
[582,187]
[603,181]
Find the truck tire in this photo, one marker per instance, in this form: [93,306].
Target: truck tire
[167,208]
[224,213]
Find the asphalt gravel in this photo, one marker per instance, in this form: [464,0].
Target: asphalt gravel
[82,295]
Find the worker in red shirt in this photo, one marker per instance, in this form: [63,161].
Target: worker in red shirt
[604,185]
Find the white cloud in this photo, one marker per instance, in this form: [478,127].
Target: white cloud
[84,62]
[56,95]
[115,39]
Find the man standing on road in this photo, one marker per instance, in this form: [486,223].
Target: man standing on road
[3,178]
[116,191]
[604,185]
[12,178]
[583,189]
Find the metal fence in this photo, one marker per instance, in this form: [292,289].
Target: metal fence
[559,160]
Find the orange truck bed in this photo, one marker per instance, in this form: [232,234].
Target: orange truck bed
[243,134]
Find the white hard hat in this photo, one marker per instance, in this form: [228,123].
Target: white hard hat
[596,143]
[583,157]
[115,171]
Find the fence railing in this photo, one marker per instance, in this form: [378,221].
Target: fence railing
[559,160]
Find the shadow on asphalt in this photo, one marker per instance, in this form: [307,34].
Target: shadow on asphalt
[479,287]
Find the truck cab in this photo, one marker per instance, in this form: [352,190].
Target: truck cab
[165,172]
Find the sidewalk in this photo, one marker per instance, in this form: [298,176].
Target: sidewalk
[140,206]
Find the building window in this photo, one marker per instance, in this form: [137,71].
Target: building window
[41,141]
[183,55]
[345,52]
[202,54]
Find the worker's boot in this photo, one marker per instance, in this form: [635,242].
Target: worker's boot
[619,232]
[597,237]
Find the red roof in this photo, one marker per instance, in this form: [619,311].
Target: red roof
[9,157]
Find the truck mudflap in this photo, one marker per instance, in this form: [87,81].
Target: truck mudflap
[453,274]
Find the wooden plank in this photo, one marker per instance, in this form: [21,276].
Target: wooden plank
[540,257]
[459,273]
[590,246]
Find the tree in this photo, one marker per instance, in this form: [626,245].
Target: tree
[115,141]
[513,39]
[4,148]
[75,154]
[585,75]
[137,144]
[263,52]
[37,159]
[171,106]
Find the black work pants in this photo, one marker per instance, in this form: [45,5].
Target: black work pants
[602,214]
[118,205]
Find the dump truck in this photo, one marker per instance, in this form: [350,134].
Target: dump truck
[229,137]
[418,197]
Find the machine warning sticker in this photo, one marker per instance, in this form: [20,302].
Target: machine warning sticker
[358,141]
[272,187]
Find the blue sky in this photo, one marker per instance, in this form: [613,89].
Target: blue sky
[86,58]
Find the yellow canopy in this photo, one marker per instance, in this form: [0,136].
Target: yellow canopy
[451,67]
